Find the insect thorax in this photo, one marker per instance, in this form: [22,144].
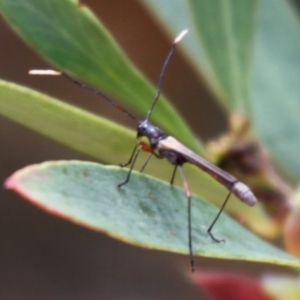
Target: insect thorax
[153,133]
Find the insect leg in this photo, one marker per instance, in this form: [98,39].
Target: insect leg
[189,211]
[131,156]
[216,218]
[173,175]
[132,160]
[146,162]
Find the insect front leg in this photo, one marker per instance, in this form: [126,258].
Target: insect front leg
[131,161]
[131,157]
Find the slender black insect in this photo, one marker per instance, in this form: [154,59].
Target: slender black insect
[163,146]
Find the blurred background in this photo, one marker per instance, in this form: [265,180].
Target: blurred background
[42,257]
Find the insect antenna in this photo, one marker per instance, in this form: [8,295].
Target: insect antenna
[84,86]
[163,71]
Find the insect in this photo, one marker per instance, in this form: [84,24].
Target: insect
[162,146]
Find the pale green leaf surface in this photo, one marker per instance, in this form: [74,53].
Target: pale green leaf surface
[220,43]
[69,36]
[174,18]
[275,47]
[226,31]
[83,131]
[108,142]
[91,134]
[86,132]
[64,123]
[276,88]
[145,212]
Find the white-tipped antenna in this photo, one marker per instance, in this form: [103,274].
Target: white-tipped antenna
[163,71]
[44,72]
[180,36]
[87,87]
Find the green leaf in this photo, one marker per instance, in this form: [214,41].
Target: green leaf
[69,36]
[85,132]
[220,43]
[145,212]
[114,142]
[109,142]
[226,31]
[270,45]
[276,86]
[66,124]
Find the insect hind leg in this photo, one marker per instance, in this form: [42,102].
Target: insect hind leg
[216,218]
[189,212]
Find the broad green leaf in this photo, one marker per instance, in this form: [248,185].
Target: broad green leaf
[145,212]
[84,131]
[116,147]
[220,43]
[109,142]
[226,31]
[276,88]
[69,36]
[275,47]
[66,124]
